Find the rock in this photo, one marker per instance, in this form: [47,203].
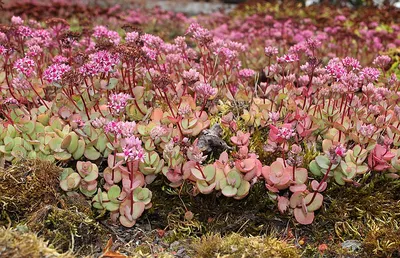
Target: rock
[210,140]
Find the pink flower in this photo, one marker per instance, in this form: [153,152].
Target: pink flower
[20,83]
[3,50]
[10,100]
[131,37]
[370,74]
[367,130]
[157,132]
[382,61]
[205,90]
[55,72]
[247,73]
[103,32]
[274,116]
[25,66]
[352,63]
[16,20]
[191,76]
[270,51]
[118,102]
[100,62]
[34,50]
[335,68]
[132,149]
[281,134]
[336,153]
[340,151]
[120,129]
[289,58]
[59,59]
[202,35]
[195,154]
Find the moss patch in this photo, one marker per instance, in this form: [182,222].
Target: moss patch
[364,213]
[235,245]
[69,230]
[17,244]
[26,187]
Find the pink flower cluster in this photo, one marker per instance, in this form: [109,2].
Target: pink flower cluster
[26,66]
[102,32]
[55,72]
[200,34]
[132,149]
[120,129]
[205,90]
[118,102]
[99,62]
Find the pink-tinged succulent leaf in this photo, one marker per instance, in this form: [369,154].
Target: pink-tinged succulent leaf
[209,172]
[302,217]
[301,175]
[272,188]
[273,133]
[126,222]
[314,168]
[392,175]
[111,206]
[138,209]
[283,204]
[128,187]
[108,175]
[322,161]
[265,172]
[174,175]
[92,175]
[189,215]
[113,193]
[315,184]
[204,187]
[91,186]
[315,204]
[245,165]
[187,169]
[229,191]
[298,188]
[150,178]
[338,177]
[157,114]
[197,174]
[224,158]
[296,199]
[243,190]
[114,215]
[72,181]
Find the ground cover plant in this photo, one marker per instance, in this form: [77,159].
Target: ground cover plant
[272,107]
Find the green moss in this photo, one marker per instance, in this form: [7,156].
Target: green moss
[26,187]
[362,213]
[17,244]
[68,230]
[383,241]
[235,245]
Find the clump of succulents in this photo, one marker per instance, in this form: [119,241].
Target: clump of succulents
[141,106]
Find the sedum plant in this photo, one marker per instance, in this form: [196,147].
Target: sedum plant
[121,110]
